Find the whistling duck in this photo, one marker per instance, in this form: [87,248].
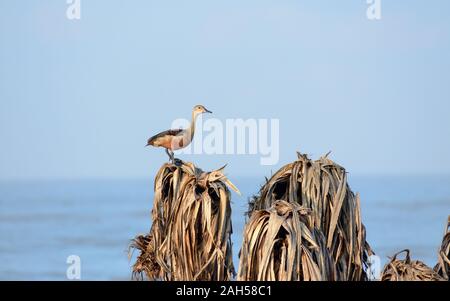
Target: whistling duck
[177,139]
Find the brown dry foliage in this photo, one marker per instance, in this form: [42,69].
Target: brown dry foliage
[408,270]
[190,238]
[443,265]
[320,186]
[278,245]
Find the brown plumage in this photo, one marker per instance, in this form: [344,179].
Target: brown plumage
[177,139]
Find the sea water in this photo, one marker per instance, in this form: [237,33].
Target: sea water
[44,222]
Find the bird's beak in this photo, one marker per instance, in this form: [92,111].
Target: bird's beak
[207,111]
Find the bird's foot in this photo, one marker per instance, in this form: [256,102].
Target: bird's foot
[177,162]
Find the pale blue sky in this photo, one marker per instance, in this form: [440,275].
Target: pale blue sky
[80,98]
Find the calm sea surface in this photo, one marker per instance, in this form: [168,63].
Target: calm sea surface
[42,223]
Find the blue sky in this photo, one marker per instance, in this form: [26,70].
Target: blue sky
[79,98]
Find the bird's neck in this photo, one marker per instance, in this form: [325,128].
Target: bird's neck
[192,127]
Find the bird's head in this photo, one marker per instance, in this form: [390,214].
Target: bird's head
[199,109]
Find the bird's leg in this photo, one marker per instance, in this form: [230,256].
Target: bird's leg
[175,161]
[170,154]
[172,158]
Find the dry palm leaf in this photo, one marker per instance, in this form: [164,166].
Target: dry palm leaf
[321,186]
[443,266]
[407,270]
[278,245]
[146,261]
[190,238]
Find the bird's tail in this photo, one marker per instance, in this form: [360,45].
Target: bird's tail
[150,142]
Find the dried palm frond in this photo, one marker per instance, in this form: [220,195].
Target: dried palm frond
[190,238]
[321,186]
[443,265]
[146,261]
[279,246]
[407,270]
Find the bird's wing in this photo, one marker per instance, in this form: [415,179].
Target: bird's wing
[162,134]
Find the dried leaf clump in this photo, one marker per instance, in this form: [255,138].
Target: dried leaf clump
[321,186]
[190,238]
[408,270]
[278,245]
[443,266]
